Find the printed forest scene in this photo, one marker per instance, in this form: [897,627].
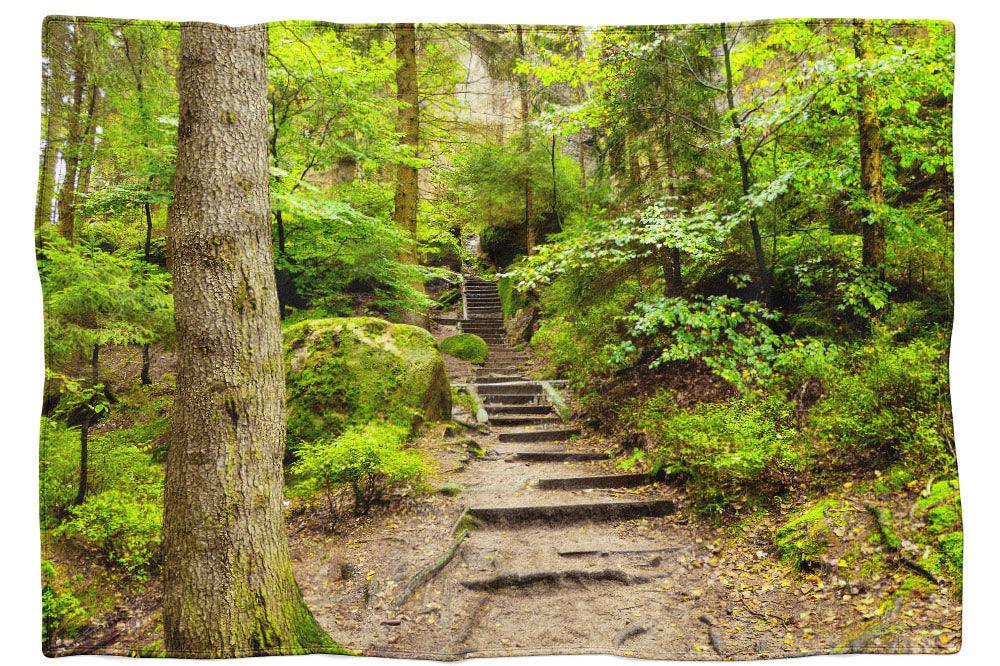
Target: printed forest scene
[445,341]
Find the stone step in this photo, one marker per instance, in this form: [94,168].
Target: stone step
[551,435]
[508,388]
[511,399]
[559,456]
[500,378]
[570,513]
[523,419]
[603,481]
[519,409]
[505,371]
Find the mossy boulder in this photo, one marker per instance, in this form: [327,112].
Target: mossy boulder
[802,541]
[467,347]
[352,370]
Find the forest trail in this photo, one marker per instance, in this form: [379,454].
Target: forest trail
[564,553]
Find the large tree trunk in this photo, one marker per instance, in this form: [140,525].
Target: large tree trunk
[228,584]
[746,173]
[73,146]
[408,125]
[531,233]
[870,139]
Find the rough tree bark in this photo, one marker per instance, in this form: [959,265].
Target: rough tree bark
[228,584]
[73,146]
[531,232]
[746,172]
[870,140]
[408,125]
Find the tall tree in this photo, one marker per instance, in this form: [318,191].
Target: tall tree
[228,584]
[525,99]
[54,46]
[73,147]
[870,140]
[746,170]
[408,126]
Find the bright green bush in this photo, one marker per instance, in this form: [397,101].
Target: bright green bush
[58,469]
[467,347]
[124,530]
[892,400]
[732,337]
[744,449]
[62,612]
[368,460]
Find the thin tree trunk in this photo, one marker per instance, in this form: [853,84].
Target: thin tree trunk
[555,188]
[89,148]
[531,233]
[81,489]
[72,147]
[870,144]
[55,36]
[228,584]
[746,174]
[672,277]
[147,247]
[144,373]
[95,364]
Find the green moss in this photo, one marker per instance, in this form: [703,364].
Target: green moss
[805,537]
[310,635]
[511,300]
[350,371]
[467,347]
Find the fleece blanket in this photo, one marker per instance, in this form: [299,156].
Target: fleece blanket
[445,341]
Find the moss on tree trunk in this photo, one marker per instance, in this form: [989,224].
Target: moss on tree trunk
[229,590]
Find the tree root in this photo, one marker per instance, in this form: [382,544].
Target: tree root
[883,519]
[505,581]
[471,621]
[426,574]
[714,636]
[603,553]
[629,631]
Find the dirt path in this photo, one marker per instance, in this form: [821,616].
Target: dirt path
[559,567]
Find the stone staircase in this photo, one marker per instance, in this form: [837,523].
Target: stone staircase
[531,432]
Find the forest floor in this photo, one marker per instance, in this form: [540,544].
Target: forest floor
[668,587]
[694,589]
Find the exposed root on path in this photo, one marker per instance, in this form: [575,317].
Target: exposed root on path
[517,580]
[427,573]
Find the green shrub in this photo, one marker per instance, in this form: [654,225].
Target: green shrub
[368,460]
[511,300]
[892,400]
[125,530]
[62,612]
[467,347]
[58,469]
[731,337]
[462,398]
[743,449]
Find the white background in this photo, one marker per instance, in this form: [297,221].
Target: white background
[974,351]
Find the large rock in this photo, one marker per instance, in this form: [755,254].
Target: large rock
[352,370]
[523,324]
